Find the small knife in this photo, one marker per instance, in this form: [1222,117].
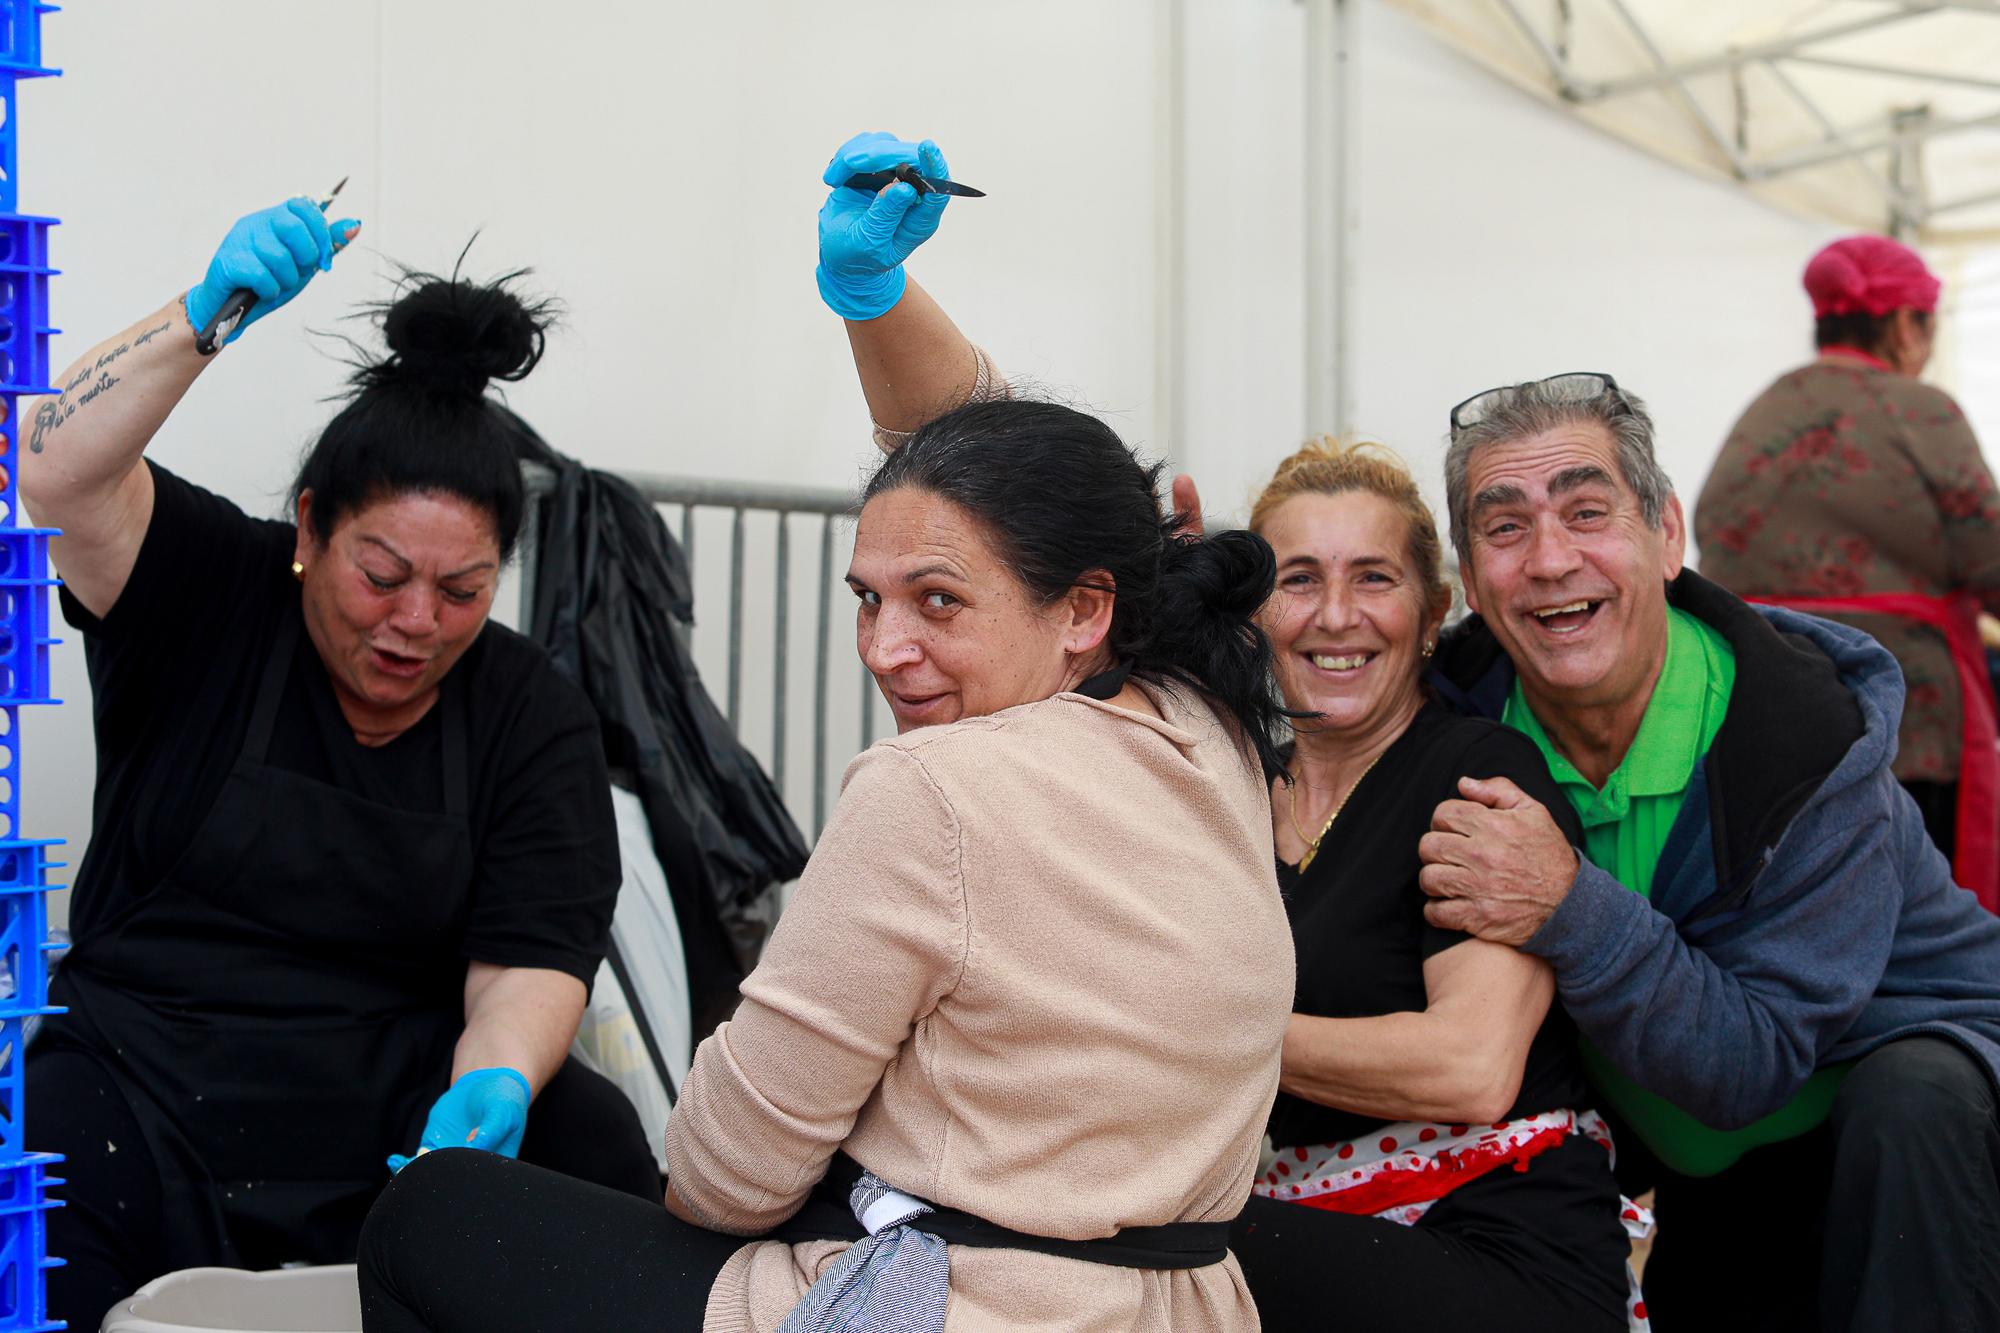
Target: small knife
[878,180]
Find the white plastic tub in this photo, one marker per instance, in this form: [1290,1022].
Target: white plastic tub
[231,1300]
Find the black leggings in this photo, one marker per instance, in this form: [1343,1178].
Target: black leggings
[115,1221]
[467,1241]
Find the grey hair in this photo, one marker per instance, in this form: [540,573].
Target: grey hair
[1532,409]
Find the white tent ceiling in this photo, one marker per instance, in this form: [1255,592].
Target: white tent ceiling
[1875,114]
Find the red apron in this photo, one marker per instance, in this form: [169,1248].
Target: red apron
[1976,863]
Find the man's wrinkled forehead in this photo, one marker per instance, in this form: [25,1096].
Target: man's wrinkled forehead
[1562,458]
[1512,495]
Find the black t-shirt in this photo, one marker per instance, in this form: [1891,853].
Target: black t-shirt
[174,669]
[1358,915]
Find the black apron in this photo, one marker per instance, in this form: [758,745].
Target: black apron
[281,1009]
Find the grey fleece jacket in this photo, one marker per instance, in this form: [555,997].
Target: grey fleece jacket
[1800,915]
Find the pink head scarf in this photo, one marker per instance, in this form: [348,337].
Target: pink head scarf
[1870,275]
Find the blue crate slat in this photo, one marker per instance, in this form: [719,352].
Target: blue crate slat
[14,1057]
[21,37]
[24,1184]
[23,962]
[24,303]
[10,144]
[10,458]
[10,771]
[20,58]
[10,141]
[24,1202]
[25,639]
[24,990]
[24,862]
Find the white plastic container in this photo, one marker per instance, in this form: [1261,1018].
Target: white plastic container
[231,1300]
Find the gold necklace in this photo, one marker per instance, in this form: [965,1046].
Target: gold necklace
[1312,844]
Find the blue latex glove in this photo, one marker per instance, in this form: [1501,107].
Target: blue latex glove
[864,236]
[273,252]
[487,1108]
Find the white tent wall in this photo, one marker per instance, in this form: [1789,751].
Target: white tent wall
[658,166]
[1501,240]
[1974,300]
[1496,239]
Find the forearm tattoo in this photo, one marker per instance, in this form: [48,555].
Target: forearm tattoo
[91,382]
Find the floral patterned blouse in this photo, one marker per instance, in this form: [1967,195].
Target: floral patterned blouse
[1843,479]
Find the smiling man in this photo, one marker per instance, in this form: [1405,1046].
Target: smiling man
[1779,988]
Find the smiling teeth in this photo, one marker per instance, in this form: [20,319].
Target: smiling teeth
[1339,663]
[1563,610]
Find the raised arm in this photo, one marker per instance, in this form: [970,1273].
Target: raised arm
[913,362]
[82,470]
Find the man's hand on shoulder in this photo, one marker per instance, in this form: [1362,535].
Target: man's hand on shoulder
[1496,863]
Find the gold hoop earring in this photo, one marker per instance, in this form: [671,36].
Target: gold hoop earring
[298,571]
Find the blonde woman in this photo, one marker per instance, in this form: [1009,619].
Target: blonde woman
[1433,1166]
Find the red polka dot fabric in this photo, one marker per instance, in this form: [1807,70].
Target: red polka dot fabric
[1400,1174]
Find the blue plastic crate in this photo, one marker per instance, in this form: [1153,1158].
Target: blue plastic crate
[25,1185]
[10,140]
[21,37]
[24,678]
[14,1090]
[24,1203]
[24,937]
[24,624]
[27,948]
[24,308]
[24,862]
[20,58]
[23,945]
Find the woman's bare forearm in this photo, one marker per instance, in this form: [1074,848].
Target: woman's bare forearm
[85,440]
[1406,1066]
[1462,1058]
[913,362]
[522,1018]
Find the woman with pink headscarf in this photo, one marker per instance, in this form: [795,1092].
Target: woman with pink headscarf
[1851,489]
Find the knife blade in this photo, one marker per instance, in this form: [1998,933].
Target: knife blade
[879,180]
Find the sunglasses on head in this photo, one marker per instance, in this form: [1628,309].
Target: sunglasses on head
[1574,386]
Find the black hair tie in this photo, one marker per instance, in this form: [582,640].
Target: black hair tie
[1106,684]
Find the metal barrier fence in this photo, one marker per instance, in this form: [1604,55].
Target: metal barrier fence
[761,519]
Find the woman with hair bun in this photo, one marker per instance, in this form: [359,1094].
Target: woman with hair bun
[1435,1165]
[353,860]
[1006,1060]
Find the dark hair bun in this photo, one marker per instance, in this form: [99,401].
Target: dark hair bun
[1231,572]
[453,335]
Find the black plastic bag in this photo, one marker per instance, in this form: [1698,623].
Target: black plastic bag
[612,605]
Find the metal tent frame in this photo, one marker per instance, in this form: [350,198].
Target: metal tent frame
[1832,107]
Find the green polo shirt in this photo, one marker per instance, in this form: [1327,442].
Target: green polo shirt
[1625,827]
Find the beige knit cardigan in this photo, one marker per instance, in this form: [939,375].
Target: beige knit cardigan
[1037,970]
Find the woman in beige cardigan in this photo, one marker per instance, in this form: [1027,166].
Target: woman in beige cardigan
[1033,986]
